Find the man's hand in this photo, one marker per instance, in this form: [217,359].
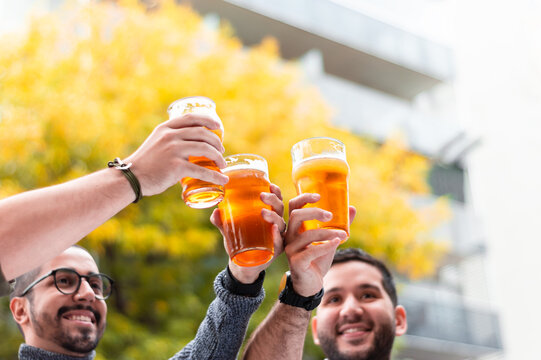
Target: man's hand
[309,263]
[163,158]
[248,275]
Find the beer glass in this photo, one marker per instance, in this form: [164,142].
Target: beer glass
[197,193]
[248,236]
[320,166]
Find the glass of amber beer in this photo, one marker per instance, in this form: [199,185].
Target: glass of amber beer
[320,166]
[248,236]
[197,193]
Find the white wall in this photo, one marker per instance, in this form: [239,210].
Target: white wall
[499,97]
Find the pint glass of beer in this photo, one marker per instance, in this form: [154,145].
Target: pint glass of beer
[196,193]
[320,166]
[248,236]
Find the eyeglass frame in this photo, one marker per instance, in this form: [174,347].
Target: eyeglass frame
[86,277]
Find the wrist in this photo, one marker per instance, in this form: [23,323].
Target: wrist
[245,275]
[237,287]
[306,288]
[290,297]
[130,176]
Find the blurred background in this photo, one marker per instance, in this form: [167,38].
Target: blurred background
[438,102]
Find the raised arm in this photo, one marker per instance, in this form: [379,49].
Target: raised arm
[281,335]
[37,225]
[238,295]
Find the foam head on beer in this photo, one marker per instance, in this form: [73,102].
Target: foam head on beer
[320,166]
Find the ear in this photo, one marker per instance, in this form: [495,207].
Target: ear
[314,330]
[19,310]
[401,321]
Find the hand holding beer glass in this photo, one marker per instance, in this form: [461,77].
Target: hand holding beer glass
[248,236]
[320,166]
[197,193]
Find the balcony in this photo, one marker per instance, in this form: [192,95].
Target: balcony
[449,330]
[354,46]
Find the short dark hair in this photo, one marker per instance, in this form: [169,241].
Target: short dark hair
[23,281]
[20,284]
[355,254]
[27,278]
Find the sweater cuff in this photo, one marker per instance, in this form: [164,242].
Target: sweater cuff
[238,288]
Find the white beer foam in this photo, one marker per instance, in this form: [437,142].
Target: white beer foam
[252,165]
[333,156]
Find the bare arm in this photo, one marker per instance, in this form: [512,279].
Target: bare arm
[281,335]
[37,225]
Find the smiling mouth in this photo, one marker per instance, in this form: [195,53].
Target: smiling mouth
[354,330]
[79,314]
[81,318]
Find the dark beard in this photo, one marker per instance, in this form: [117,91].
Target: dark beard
[81,343]
[380,349]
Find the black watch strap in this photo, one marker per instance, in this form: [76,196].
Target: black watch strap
[290,297]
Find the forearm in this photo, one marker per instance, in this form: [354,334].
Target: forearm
[37,225]
[281,335]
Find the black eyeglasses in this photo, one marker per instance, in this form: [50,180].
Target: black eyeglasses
[68,281]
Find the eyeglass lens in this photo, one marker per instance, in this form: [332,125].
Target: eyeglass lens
[67,282]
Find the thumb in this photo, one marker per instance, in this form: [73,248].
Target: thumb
[216,220]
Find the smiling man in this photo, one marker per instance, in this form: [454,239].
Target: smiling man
[359,315]
[60,307]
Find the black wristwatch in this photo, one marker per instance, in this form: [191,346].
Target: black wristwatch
[290,297]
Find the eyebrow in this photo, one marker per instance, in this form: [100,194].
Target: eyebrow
[73,269]
[362,287]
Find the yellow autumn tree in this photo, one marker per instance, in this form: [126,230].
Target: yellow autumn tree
[88,83]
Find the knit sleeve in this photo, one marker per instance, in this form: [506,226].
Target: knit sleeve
[222,331]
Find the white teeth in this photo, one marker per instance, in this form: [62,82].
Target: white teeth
[80,318]
[352,330]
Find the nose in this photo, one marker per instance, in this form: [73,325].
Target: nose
[351,308]
[85,292]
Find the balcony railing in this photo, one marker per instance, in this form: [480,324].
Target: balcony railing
[453,323]
[354,45]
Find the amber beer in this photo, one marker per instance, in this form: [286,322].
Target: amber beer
[248,236]
[320,166]
[197,193]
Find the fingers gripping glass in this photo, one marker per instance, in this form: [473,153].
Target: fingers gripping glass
[68,281]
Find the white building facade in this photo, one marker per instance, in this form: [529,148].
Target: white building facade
[380,77]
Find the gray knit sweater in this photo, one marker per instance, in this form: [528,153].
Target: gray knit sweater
[219,336]
[27,352]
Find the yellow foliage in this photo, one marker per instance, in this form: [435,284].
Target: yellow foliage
[85,85]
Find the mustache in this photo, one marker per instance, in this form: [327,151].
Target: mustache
[355,319]
[65,309]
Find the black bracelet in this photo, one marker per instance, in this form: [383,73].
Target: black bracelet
[125,168]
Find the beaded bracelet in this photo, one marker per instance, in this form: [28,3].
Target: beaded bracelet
[125,168]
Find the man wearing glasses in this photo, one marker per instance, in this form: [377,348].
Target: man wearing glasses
[60,309]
